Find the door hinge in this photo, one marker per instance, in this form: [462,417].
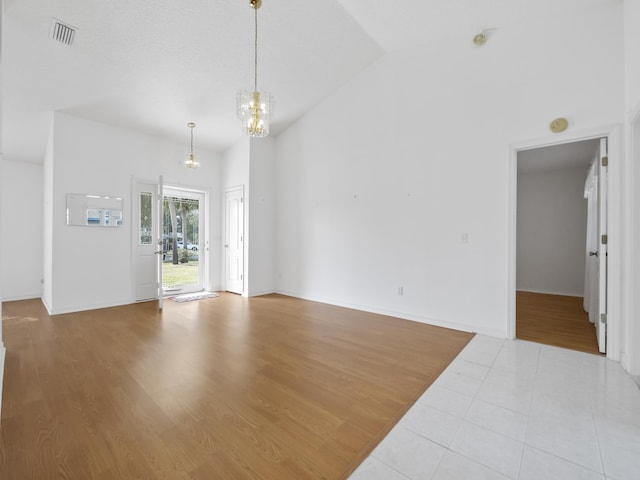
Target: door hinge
[605,161]
[603,318]
[605,239]
[241,277]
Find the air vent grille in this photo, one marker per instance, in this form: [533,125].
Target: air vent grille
[62,32]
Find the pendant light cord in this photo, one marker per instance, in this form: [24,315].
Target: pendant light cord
[191,141]
[255,50]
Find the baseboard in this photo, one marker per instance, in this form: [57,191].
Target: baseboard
[46,305]
[624,361]
[547,292]
[21,297]
[84,308]
[405,316]
[263,292]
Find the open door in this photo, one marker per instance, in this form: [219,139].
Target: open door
[159,241]
[147,242]
[601,321]
[144,242]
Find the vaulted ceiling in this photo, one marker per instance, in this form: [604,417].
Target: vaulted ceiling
[153,66]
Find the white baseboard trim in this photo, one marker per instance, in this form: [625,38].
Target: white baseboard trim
[83,308]
[46,305]
[264,292]
[463,327]
[624,361]
[21,297]
[547,292]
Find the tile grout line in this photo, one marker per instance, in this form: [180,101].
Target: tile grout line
[419,434]
[463,418]
[526,428]
[447,449]
[595,428]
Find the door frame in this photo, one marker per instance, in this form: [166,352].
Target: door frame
[133,215]
[613,134]
[203,246]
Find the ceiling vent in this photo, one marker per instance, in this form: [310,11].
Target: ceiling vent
[61,32]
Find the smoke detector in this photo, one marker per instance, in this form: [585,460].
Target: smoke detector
[62,32]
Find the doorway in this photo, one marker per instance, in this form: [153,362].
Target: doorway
[554,274]
[183,266]
[234,240]
[169,241]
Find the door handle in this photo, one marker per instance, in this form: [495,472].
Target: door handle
[159,252]
[593,254]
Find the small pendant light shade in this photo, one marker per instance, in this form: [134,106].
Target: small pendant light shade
[191,161]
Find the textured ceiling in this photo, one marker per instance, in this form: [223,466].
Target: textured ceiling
[154,65]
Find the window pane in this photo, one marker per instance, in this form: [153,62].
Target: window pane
[146,227]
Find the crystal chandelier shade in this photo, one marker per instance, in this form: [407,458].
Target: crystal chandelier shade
[255,108]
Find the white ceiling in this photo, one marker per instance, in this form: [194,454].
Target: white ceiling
[154,66]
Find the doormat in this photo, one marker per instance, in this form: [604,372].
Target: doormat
[188,297]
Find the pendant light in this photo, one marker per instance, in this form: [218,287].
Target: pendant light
[255,108]
[191,161]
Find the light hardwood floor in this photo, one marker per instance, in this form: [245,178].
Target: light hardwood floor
[554,320]
[225,388]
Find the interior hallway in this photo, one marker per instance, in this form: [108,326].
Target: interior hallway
[555,320]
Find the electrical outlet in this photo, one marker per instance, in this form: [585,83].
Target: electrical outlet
[400,291]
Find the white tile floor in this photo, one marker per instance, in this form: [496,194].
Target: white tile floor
[517,410]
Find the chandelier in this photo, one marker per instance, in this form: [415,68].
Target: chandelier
[191,161]
[255,108]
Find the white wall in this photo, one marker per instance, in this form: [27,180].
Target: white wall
[552,226]
[261,217]
[631,342]
[235,164]
[250,163]
[2,348]
[47,222]
[235,173]
[92,267]
[632,50]
[378,184]
[22,230]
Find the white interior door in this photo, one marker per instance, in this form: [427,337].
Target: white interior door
[601,323]
[145,205]
[234,241]
[159,253]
